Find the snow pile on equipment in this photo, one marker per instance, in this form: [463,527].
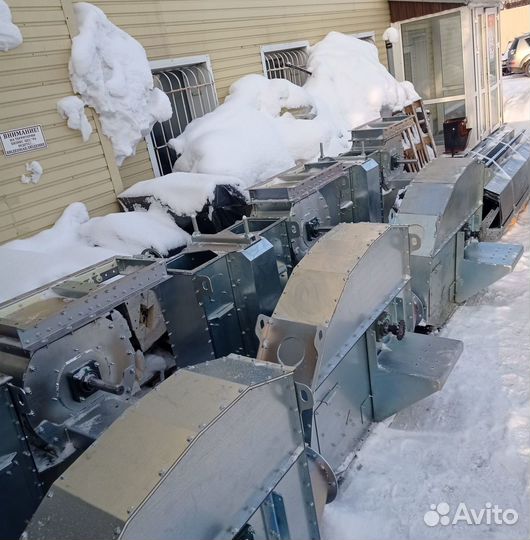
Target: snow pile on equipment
[10,36]
[240,138]
[76,241]
[110,70]
[133,232]
[257,132]
[183,193]
[71,108]
[349,79]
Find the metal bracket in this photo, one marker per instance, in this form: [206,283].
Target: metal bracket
[275,517]
[304,398]
[205,285]
[480,264]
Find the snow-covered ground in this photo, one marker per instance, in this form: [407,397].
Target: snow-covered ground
[469,443]
[516,90]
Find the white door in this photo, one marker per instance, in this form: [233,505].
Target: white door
[494,66]
[487,70]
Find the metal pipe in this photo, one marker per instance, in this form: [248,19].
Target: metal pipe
[390,58]
[246,227]
[195,224]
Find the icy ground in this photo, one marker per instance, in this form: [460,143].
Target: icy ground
[516,90]
[470,442]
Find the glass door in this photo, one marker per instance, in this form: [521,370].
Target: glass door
[487,70]
[481,70]
[494,71]
[433,61]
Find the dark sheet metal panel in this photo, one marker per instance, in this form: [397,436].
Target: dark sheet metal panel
[403,10]
[21,489]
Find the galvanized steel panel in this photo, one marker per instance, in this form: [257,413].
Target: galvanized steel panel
[180,449]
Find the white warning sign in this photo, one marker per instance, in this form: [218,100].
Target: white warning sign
[18,141]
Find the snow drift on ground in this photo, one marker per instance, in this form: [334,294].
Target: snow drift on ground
[72,109]
[516,92]
[256,133]
[183,193]
[76,241]
[10,36]
[110,70]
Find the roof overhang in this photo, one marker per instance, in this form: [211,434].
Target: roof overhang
[401,10]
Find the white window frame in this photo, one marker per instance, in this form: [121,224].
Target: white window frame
[278,47]
[176,63]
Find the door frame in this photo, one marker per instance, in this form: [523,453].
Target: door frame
[478,91]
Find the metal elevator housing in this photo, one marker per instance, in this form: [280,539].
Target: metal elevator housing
[190,445]
[507,156]
[443,209]
[333,324]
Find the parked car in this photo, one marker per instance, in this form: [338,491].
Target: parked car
[516,59]
[504,59]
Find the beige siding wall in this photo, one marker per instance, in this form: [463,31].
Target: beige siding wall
[231,33]
[514,22]
[32,78]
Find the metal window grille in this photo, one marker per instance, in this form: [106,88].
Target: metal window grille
[366,36]
[191,91]
[284,65]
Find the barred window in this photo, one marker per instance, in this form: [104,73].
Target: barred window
[191,91]
[287,62]
[366,36]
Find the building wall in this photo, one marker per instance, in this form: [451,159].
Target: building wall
[34,76]
[514,22]
[231,33]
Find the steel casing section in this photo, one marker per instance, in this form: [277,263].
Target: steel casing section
[185,461]
[20,489]
[508,157]
[224,285]
[256,287]
[317,195]
[343,407]
[296,183]
[44,315]
[381,140]
[366,181]
[338,290]
[209,325]
[257,270]
[52,332]
[445,196]
[44,397]
[332,298]
[510,187]
[275,231]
